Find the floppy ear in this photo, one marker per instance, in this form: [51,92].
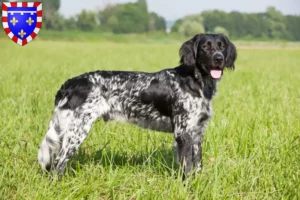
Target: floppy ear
[188,52]
[231,54]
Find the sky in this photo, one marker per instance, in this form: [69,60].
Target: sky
[175,9]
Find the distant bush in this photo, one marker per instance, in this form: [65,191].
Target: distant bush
[190,28]
[86,21]
[220,29]
[189,25]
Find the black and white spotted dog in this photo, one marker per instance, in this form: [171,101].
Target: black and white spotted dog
[177,100]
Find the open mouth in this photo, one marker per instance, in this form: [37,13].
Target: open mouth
[216,73]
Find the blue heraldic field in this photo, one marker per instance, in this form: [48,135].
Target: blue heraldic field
[22,21]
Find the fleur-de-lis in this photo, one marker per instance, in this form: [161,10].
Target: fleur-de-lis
[22,33]
[14,21]
[29,21]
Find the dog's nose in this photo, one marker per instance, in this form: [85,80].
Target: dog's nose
[218,59]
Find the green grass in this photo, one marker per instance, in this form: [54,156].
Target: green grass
[146,38]
[251,148]
[100,36]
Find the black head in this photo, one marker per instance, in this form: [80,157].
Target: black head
[210,53]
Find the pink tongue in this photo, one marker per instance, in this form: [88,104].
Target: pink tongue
[216,73]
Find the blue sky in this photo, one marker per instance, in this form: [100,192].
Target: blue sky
[174,9]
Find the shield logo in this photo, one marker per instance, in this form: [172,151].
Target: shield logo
[22,21]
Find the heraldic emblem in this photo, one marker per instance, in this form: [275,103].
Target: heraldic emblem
[22,21]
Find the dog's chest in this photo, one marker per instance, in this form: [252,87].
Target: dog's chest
[199,110]
[205,112]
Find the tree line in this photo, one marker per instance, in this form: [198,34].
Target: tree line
[271,24]
[119,18]
[135,18]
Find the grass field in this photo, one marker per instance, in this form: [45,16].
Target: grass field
[251,148]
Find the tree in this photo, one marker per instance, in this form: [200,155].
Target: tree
[56,22]
[197,18]
[214,18]
[143,5]
[134,19]
[125,18]
[237,24]
[156,22]
[292,27]
[86,21]
[1,6]
[113,22]
[190,28]
[130,18]
[277,27]
[175,26]
[71,23]
[189,25]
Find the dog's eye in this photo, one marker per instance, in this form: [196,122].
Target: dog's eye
[221,46]
[206,47]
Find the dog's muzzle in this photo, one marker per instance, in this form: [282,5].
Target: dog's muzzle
[217,71]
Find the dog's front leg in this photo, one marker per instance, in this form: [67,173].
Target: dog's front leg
[188,143]
[184,152]
[197,150]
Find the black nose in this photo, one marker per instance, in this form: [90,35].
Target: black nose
[218,59]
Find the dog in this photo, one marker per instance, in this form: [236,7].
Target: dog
[175,100]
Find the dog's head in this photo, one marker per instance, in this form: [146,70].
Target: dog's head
[210,53]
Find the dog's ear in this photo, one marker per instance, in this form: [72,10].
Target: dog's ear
[231,54]
[188,51]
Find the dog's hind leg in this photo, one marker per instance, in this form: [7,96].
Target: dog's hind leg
[77,131]
[51,143]
[73,138]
